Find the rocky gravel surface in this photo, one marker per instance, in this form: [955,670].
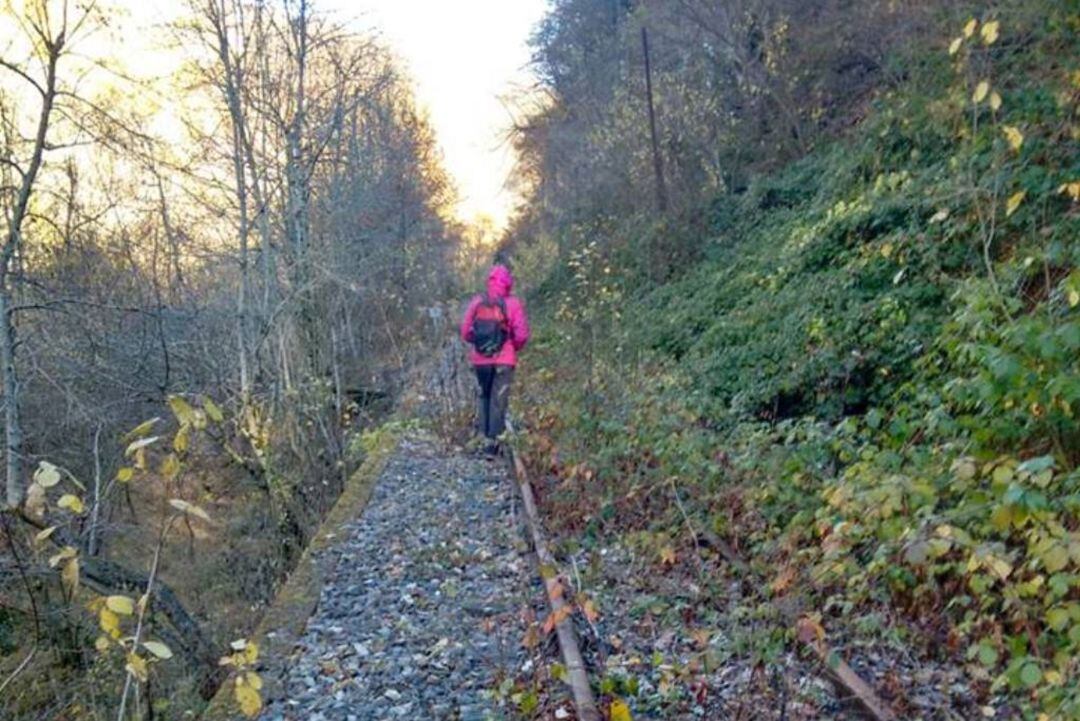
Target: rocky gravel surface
[426,600]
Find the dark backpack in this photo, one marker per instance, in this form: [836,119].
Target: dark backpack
[490,329]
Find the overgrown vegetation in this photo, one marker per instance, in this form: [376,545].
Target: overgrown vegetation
[862,369]
[218,212]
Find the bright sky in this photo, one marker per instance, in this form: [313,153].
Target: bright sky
[463,55]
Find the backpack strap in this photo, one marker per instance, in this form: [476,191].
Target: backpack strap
[501,302]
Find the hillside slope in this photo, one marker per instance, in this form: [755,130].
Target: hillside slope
[864,379]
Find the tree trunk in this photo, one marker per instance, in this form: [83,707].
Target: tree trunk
[12,243]
[12,427]
[658,164]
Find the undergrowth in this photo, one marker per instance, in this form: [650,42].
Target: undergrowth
[868,384]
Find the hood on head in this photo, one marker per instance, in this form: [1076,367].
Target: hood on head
[500,281]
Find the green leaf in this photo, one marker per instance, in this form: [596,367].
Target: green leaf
[1057,618]
[1030,675]
[1036,465]
[213,412]
[1055,558]
[988,655]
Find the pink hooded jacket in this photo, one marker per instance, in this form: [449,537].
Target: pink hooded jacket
[499,284]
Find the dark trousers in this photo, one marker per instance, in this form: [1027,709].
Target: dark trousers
[494,397]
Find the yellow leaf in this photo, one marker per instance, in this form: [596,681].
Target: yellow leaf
[189,508]
[140,430]
[109,622]
[1014,136]
[183,411]
[158,649]
[47,475]
[588,607]
[954,46]
[70,576]
[990,32]
[1014,202]
[970,28]
[620,711]
[1074,298]
[140,444]
[102,644]
[180,440]
[254,680]
[125,474]
[170,467]
[999,566]
[136,666]
[981,91]
[71,503]
[65,553]
[1070,189]
[251,652]
[249,700]
[44,535]
[995,101]
[121,605]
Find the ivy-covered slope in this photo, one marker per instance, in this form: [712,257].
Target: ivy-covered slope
[869,382]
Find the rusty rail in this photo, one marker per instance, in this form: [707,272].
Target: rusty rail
[576,674]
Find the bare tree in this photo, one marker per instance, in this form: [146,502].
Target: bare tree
[47,30]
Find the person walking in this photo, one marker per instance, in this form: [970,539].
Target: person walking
[496,328]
